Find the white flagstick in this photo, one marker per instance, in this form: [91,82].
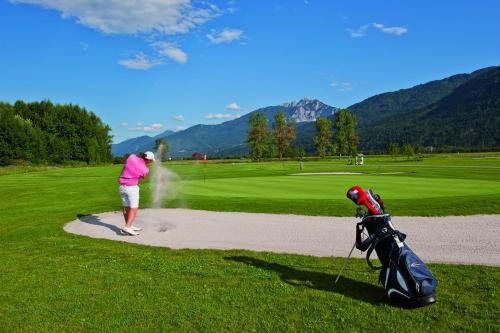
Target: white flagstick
[345,263]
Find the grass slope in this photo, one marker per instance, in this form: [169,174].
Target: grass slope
[53,281]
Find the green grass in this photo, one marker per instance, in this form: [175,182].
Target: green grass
[441,185]
[53,281]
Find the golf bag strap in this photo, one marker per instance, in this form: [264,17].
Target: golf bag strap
[362,245]
[369,253]
[375,241]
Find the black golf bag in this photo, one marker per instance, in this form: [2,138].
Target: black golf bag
[403,274]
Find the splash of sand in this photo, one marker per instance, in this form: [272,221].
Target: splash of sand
[166,184]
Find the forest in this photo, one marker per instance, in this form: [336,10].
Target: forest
[44,132]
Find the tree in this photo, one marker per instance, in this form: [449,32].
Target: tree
[45,132]
[408,151]
[393,149]
[322,139]
[300,152]
[283,133]
[258,135]
[346,139]
[162,148]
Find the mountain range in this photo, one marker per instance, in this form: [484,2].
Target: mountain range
[461,110]
[227,138]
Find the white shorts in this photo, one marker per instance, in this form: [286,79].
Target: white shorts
[129,195]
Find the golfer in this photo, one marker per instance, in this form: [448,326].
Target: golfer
[135,168]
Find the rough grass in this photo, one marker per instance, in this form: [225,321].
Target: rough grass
[53,281]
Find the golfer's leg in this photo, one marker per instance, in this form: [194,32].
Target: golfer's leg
[126,211]
[131,216]
[134,205]
[125,201]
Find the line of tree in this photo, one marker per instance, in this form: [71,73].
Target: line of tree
[277,141]
[343,129]
[43,132]
[407,150]
[265,143]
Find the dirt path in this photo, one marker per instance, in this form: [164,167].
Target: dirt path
[451,239]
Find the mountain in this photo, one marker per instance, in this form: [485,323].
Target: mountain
[307,110]
[227,139]
[137,144]
[467,117]
[389,104]
[460,110]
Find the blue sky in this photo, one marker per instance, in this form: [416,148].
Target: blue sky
[151,65]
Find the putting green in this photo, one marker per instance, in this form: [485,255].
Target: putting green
[335,186]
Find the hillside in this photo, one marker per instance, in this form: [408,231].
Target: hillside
[388,104]
[137,144]
[460,110]
[469,116]
[228,138]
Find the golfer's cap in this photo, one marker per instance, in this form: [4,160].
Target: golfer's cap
[149,155]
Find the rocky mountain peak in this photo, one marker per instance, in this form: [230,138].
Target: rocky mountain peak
[306,110]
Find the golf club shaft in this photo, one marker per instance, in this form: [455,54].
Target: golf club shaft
[345,262]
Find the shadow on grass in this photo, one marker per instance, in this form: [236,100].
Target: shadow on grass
[358,290]
[92,219]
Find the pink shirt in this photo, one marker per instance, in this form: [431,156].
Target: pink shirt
[134,168]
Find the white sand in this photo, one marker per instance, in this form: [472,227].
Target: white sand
[451,239]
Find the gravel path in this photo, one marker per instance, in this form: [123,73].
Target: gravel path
[451,239]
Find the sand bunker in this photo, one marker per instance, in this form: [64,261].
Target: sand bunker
[451,239]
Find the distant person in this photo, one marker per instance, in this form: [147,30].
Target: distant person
[135,168]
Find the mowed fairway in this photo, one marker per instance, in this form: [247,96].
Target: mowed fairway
[54,281]
[435,187]
[333,187]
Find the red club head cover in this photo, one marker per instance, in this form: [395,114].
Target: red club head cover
[358,196]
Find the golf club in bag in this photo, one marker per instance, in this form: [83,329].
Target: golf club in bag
[403,274]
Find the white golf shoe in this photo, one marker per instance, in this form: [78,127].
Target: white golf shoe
[130,231]
[136,228]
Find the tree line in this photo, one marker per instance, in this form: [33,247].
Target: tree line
[43,132]
[332,137]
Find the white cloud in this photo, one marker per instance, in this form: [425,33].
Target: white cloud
[363,30]
[124,124]
[345,86]
[148,129]
[84,46]
[341,86]
[171,51]
[224,36]
[131,16]
[179,118]
[359,32]
[179,128]
[390,30]
[214,116]
[233,106]
[140,62]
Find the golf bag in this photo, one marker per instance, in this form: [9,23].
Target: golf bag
[403,274]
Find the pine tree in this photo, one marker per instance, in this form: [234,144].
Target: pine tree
[322,139]
[283,133]
[346,139]
[258,136]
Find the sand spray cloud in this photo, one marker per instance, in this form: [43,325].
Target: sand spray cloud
[166,184]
